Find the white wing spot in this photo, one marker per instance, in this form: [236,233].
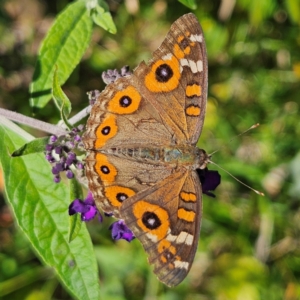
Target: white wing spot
[200,65]
[195,67]
[167,56]
[152,237]
[171,237]
[196,38]
[184,62]
[185,237]
[181,264]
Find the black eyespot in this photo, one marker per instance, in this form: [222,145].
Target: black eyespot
[125,101]
[168,255]
[105,130]
[151,220]
[184,43]
[104,169]
[121,197]
[163,73]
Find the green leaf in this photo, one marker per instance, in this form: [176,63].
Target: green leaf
[189,3]
[75,220]
[41,210]
[260,10]
[61,100]
[102,17]
[293,8]
[35,146]
[63,46]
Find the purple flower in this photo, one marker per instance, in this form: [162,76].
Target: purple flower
[209,181]
[86,208]
[70,174]
[119,230]
[53,138]
[65,160]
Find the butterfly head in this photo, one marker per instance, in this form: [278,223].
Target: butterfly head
[202,159]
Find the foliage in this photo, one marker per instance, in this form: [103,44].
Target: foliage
[249,244]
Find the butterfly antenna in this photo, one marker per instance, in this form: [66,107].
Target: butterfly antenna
[250,128]
[249,187]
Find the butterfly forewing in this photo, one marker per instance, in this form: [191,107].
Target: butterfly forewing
[177,76]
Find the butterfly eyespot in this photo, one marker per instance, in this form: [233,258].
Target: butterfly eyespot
[151,220]
[163,73]
[184,43]
[121,197]
[125,101]
[116,194]
[105,130]
[104,169]
[168,255]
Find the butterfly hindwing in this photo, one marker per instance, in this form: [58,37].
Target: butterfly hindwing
[114,178]
[166,219]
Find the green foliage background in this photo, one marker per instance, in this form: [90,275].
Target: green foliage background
[249,247]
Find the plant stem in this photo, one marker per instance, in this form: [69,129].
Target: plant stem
[19,118]
[79,116]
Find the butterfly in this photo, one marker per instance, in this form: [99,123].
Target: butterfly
[142,157]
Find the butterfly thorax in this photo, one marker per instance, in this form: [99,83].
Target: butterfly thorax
[189,156]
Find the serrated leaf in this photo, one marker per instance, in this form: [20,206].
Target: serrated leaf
[75,220]
[61,100]
[189,3]
[35,146]
[63,46]
[103,18]
[41,210]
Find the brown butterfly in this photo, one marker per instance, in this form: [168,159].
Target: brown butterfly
[141,137]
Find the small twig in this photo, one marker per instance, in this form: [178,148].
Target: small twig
[31,122]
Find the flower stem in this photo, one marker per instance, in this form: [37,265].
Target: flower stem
[79,116]
[31,122]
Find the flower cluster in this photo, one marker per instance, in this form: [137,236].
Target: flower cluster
[60,153]
[88,210]
[112,75]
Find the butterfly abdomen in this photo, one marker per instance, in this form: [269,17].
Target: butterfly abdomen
[186,155]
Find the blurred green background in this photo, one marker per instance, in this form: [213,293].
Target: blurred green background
[249,247]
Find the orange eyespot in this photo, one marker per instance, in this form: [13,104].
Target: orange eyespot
[117,194]
[152,218]
[106,171]
[105,131]
[125,102]
[164,75]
